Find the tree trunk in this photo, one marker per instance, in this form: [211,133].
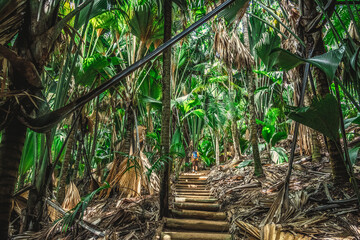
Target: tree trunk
[312,134]
[315,41]
[217,150]
[77,162]
[236,142]
[166,113]
[129,134]
[12,143]
[225,140]
[258,171]
[315,146]
[65,167]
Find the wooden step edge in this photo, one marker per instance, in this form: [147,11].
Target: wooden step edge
[198,195]
[197,206]
[194,177]
[195,236]
[200,200]
[190,186]
[197,224]
[182,195]
[192,190]
[192,183]
[196,214]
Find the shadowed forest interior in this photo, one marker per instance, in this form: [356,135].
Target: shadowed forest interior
[179,119]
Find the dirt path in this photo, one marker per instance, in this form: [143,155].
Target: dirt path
[196,214]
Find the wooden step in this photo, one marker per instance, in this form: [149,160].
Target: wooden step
[197,177]
[190,186]
[197,184]
[206,215]
[197,206]
[194,191]
[188,194]
[195,174]
[196,224]
[183,195]
[192,181]
[201,200]
[195,236]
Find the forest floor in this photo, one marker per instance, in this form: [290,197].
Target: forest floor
[318,209]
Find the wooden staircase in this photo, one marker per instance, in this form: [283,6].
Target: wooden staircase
[196,214]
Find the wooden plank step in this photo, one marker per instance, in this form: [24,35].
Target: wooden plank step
[193,177]
[195,174]
[196,224]
[201,200]
[195,191]
[182,195]
[192,183]
[197,206]
[192,186]
[195,236]
[188,194]
[206,215]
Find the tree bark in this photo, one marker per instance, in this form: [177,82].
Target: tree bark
[166,113]
[77,162]
[65,167]
[236,142]
[313,135]
[225,140]
[258,171]
[12,143]
[217,150]
[315,41]
[129,133]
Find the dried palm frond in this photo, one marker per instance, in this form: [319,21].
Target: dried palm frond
[222,43]
[128,177]
[11,19]
[153,179]
[72,197]
[353,33]
[286,207]
[242,56]
[230,49]
[275,232]
[268,232]
[247,229]
[128,180]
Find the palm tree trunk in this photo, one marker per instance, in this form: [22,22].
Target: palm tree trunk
[315,146]
[12,143]
[166,113]
[258,171]
[339,172]
[217,151]
[129,133]
[65,167]
[315,41]
[313,135]
[76,164]
[236,142]
[225,145]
